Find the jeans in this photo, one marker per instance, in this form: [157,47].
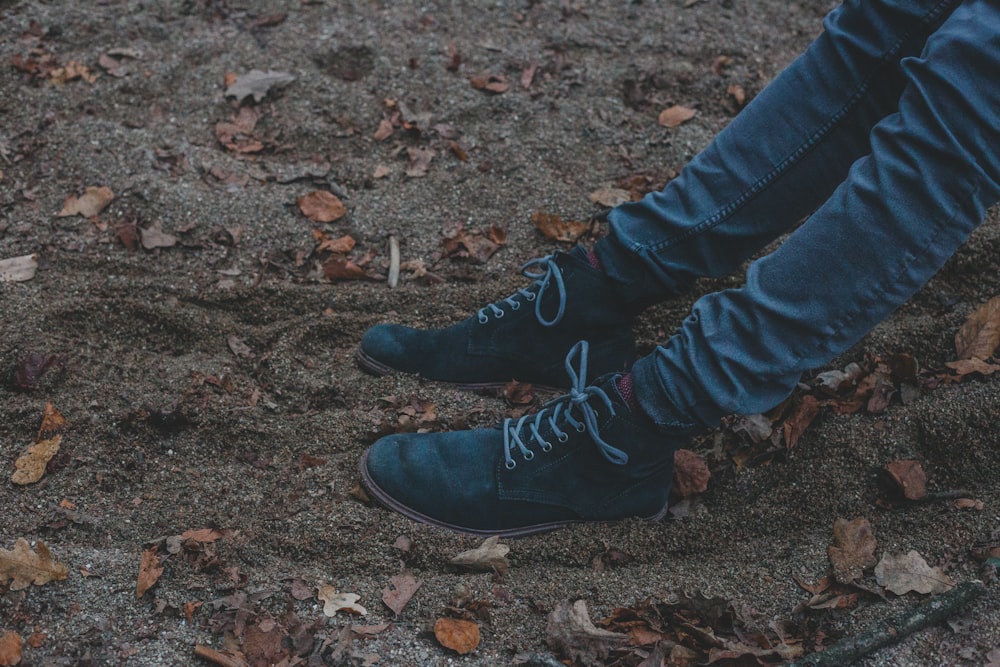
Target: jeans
[886,130]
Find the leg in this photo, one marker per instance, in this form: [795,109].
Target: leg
[778,160]
[933,170]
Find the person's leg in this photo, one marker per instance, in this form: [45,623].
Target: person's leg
[933,171]
[778,160]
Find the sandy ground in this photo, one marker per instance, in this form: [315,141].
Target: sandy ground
[209,383]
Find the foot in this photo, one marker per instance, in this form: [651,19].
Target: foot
[518,338]
[585,456]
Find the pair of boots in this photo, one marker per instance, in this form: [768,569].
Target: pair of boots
[589,455]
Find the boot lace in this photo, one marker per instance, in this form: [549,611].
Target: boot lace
[572,410]
[544,278]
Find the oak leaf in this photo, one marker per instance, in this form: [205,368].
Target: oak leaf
[322,206]
[150,570]
[459,635]
[980,335]
[90,203]
[853,550]
[334,601]
[489,556]
[25,567]
[910,572]
[30,466]
[554,227]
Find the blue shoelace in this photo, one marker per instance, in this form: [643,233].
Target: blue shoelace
[559,413]
[543,279]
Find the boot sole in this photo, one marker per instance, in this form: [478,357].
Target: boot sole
[391,503]
[371,365]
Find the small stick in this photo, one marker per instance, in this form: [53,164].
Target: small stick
[393,261]
[223,658]
[848,651]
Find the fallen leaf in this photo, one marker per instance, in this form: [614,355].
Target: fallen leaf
[571,633]
[420,161]
[675,116]
[18,269]
[341,245]
[29,370]
[489,556]
[90,203]
[10,648]
[980,335]
[739,95]
[474,244]
[238,347]
[334,601]
[270,20]
[691,473]
[381,171]
[965,367]
[528,75]
[339,268]
[553,227]
[401,588]
[853,549]
[221,658]
[202,535]
[518,393]
[367,631]
[904,573]
[610,197]
[154,237]
[71,72]
[257,84]
[237,135]
[494,83]
[805,412]
[25,567]
[969,504]
[322,206]
[384,130]
[52,421]
[458,635]
[910,477]
[30,466]
[150,570]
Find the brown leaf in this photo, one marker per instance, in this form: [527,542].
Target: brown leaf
[853,550]
[238,347]
[493,83]
[30,466]
[257,84]
[553,227]
[458,635]
[401,588]
[52,421]
[384,131]
[965,367]
[739,95]
[488,556]
[221,658]
[420,161]
[10,648]
[237,135]
[969,504]
[25,567]
[202,535]
[910,477]
[518,393]
[797,423]
[18,269]
[473,244]
[675,116]
[904,573]
[322,206]
[691,473]
[497,235]
[90,203]
[154,237]
[339,268]
[334,601]
[150,570]
[381,171]
[528,75]
[341,245]
[571,633]
[610,197]
[980,335]
[71,72]
[30,368]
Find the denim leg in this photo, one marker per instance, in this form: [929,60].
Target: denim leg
[778,160]
[933,171]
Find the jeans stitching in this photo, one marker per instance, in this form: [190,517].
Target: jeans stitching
[796,155]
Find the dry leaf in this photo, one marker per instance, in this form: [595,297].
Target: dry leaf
[969,504]
[691,473]
[341,245]
[488,556]
[381,171]
[18,269]
[257,84]
[853,550]
[150,570]
[221,658]
[736,91]
[965,367]
[494,83]
[334,601]
[980,335]
[338,268]
[10,648]
[610,197]
[910,477]
[675,115]
[401,588]
[902,574]
[202,535]
[71,72]
[237,133]
[322,206]
[458,635]
[52,421]
[571,633]
[557,229]
[30,466]
[805,412]
[154,237]
[238,347]
[25,567]
[90,203]
[420,161]
[384,130]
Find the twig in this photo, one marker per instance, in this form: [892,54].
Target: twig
[393,261]
[935,610]
[933,496]
[223,658]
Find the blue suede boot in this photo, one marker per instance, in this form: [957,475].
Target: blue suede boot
[583,457]
[522,337]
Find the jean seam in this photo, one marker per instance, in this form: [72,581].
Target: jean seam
[799,152]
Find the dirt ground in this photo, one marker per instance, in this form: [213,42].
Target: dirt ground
[208,381]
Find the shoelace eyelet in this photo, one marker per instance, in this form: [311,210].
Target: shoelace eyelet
[510,465]
[516,305]
[530,296]
[546,446]
[529,455]
[563,437]
[483,319]
[500,314]
[581,427]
